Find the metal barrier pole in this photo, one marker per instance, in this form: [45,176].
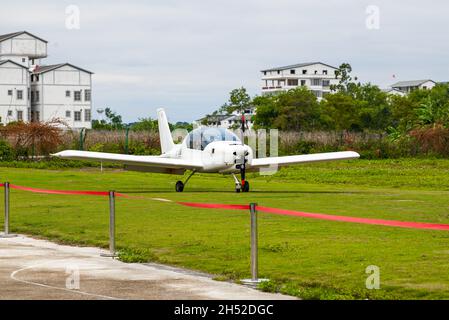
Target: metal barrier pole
[254,249]
[112,252]
[254,244]
[6,234]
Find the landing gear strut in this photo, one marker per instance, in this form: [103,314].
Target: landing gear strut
[180,185]
[239,187]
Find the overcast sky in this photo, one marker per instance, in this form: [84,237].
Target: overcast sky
[187,55]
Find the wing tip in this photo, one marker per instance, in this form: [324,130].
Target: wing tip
[353,154]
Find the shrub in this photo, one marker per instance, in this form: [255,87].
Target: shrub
[6,151]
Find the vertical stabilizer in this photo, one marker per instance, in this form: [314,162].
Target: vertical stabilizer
[164,132]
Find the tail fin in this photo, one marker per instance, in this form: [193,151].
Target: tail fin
[164,132]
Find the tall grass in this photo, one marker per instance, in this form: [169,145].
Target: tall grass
[369,145]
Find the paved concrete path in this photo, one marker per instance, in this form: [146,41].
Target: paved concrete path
[39,269]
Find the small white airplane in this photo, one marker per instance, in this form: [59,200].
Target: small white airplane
[208,150]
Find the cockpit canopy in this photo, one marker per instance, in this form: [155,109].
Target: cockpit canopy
[199,138]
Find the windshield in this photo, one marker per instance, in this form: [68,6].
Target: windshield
[199,138]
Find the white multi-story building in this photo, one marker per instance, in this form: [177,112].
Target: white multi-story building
[316,76]
[62,91]
[14,85]
[31,91]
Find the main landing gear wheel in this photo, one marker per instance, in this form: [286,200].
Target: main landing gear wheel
[179,186]
[245,187]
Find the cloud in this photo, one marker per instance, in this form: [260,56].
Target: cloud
[187,55]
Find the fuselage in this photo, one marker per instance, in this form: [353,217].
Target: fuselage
[217,150]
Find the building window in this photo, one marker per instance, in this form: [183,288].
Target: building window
[292,82]
[325,72]
[23,59]
[87,115]
[304,71]
[36,96]
[293,71]
[264,73]
[279,71]
[68,114]
[316,71]
[9,92]
[19,115]
[19,94]
[326,83]
[316,82]
[303,83]
[87,95]
[38,115]
[9,113]
[317,94]
[77,95]
[67,94]
[32,96]
[77,115]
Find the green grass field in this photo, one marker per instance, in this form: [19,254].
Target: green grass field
[309,258]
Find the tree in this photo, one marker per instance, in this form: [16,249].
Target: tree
[434,109]
[145,124]
[298,110]
[113,121]
[421,108]
[374,109]
[267,111]
[239,101]
[340,112]
[345,84]
[183,125]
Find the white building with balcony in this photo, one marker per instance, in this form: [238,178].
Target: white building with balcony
[316,76]
[31,91]
[408,86]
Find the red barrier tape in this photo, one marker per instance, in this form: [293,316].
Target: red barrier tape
[321,216]
[391,223]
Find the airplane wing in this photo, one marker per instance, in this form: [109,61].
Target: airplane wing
[135,163]
[305,158]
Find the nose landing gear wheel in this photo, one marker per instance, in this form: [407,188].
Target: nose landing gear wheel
[179,186]
[246,187]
